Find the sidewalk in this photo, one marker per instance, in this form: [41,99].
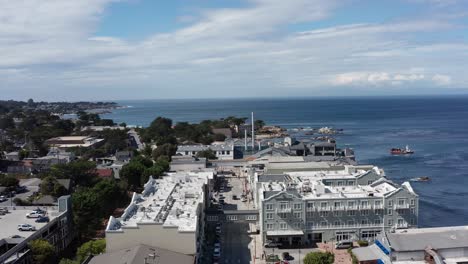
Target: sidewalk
[341,255]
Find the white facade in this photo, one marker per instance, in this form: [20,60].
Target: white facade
[168,214]
[222,151]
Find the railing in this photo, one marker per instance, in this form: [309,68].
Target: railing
[378,206]
[350,208]
[365,206]
[403,225]
[339,208]
[324,208]
[310,209]
[344,226]
[283,210]
[402,206]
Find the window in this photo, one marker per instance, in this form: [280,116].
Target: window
[340,183]
[390,211]
[350,222]
[269,207]
[337,223]
[401,202]
[336,213]
[212,218]
[413,221]
[297,206]
[350,183]
[323,205]
[390,222]
[269,216]
[337,204]
[269,226]
[323,224]
[351,204]
[232,217]
[297,215]
[364,212]
[324,213]
[283,215]
[250,217]
[297,225]
[284,206]
[310,225]
[283,226]
[310,206]
[351,213]
[193,152]
[186,152]
[412,202]
[378,203]
[364,222]
[401,222]
[222,152]
[390,203]
[228,152]
[310,214]
[364,204]
[377,222]
[412,210]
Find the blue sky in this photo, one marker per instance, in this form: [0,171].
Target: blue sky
[142,49]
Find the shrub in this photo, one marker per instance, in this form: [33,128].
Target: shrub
[363,243]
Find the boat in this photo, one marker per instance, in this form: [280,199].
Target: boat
[421,179]
[399,151]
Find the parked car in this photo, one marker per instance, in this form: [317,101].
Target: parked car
[218,229]
[344,244]
[26,227]
[217,253]
[39,211]
[43,219]
[270,244]
[3,199]
[34,215]
[286,256]
[16,236]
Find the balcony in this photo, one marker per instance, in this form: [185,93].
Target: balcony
[344,226]
[402,225]
[324,208]
[365,207]
[351,208]
[284,210]
[378,207]
[339,208]
[401,206]
[310,209]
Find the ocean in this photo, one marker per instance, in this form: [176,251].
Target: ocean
[436,128]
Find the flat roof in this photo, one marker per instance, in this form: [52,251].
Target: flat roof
[172,201]
[10,221]
[371,252]
[436,237]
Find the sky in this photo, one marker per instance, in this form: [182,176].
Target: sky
[57,50]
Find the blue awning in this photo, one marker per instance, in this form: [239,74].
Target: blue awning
[386,251]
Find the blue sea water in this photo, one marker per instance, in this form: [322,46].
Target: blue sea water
[436,128]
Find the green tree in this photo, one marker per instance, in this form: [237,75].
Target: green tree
[86,212]
[167,150]
[208,153]
[219,137]
[319,258]
[143,160]
[81,172]
[69,261]
[6,123]
[132,173]
[8,181]
[93,247]
[259,124]
[42,251]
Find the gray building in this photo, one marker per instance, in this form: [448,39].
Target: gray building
[303,208]
[14,248]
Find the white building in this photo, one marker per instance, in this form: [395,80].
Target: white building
[222,151]
[168,214]
[437,245]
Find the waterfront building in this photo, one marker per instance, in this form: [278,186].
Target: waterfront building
[168,214]
[14,248]
[437,245]
[222,151]
[317,206]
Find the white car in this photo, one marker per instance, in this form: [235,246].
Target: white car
[26,227]
[34,215]
[3,198]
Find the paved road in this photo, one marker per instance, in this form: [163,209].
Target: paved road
[235,243]
[136,139]
[31,184]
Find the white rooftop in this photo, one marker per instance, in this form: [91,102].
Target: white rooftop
[172,201]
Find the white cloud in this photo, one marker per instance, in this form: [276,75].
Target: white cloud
[441,79]
[48,48]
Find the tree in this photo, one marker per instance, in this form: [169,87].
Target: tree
[208,153]
[8,181]
[259,124]
[81,172]
[319,258]
[69,261]
[93,247]
[132,172]
[6,123]
[42,251]
[50,186]
[167,150]
[143,160]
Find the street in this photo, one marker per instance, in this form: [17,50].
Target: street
[32,186]
[235,243]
